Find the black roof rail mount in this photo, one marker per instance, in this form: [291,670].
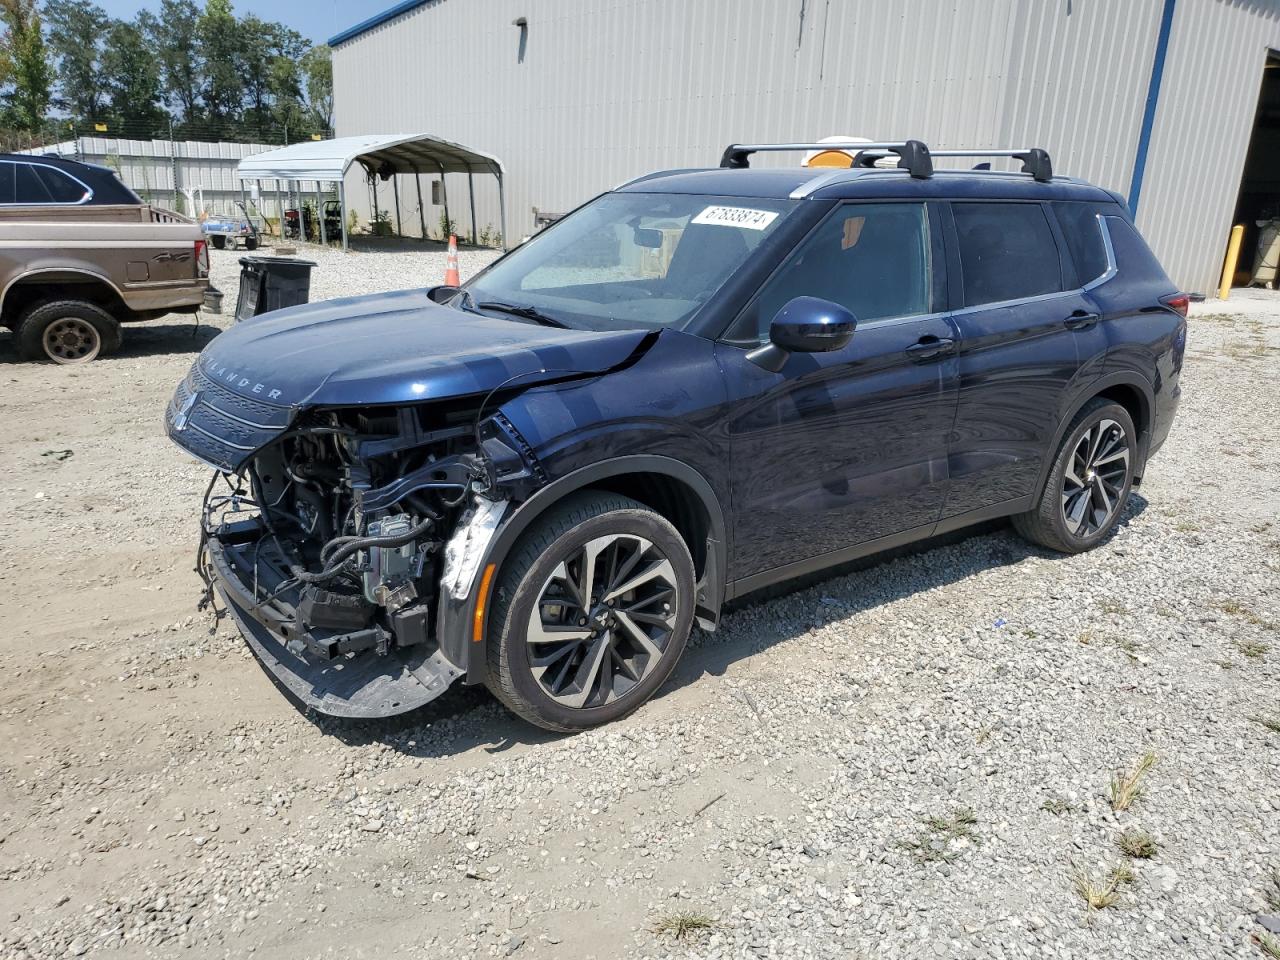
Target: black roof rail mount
[914,155]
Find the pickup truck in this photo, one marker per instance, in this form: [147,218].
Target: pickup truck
[80,254]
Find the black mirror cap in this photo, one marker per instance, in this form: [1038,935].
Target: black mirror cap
[812,325]
[804,325]
[442,293]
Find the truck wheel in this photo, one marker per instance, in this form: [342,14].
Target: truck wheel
[590,613]
[67,331]
[251,243]
[219,242]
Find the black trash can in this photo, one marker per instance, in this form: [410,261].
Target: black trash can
[271,283]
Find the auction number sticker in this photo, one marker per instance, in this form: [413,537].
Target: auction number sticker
[737,217]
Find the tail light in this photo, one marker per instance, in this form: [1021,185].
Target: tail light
[201,256]
[1177,302]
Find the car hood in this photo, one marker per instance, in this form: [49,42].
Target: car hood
[249,383]
[395,348]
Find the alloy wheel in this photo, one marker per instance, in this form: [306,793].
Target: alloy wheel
[71,340]
[1095,478]
[603,620]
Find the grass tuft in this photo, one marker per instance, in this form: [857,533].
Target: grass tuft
[1136,843]
[1271,896]
[1056,805]
[683,923]
[936,842]
[1127,787]
[1271,723]
[1253,649]
[1268,944]
[1100,894]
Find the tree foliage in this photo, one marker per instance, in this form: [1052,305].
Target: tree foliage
[193,67]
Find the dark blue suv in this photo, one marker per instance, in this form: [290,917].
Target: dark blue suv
[698,384]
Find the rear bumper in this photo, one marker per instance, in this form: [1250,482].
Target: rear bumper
[363,683]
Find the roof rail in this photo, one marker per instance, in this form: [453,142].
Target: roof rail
[915,156]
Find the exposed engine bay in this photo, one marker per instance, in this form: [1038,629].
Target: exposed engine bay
[339,536]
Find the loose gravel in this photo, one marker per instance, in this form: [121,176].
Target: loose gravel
[909,760]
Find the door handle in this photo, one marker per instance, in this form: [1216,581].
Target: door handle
[1081,320]
[931,348]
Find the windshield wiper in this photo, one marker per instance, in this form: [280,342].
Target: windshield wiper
[527,313]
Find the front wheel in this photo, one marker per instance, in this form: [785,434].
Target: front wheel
[591,613]
[1089,483]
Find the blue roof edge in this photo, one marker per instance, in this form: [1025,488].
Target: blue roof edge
[364,26]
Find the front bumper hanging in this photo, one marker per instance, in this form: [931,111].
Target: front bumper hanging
[326,670]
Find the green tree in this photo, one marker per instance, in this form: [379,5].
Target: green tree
[25,76]
[174,35]
[133,83]
[76,29]
[222,89]
[317,73]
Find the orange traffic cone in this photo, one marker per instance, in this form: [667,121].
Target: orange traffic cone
[451,264]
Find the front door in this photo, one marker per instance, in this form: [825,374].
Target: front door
[843,448]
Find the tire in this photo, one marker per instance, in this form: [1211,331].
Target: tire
[251,243]
[1091,477]
[562,692]
[67,332]
[219,242]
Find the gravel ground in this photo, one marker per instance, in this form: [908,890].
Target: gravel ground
[906,761]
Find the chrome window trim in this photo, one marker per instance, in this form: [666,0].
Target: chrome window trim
[1112,268]
[88,191]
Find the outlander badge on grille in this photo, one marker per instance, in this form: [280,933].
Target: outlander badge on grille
[184,411]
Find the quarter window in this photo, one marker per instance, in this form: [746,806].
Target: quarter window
[871,258]
[1083,232]
[1007,252]
[6,182]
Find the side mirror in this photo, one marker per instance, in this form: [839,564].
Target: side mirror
[804,325]
[442,293]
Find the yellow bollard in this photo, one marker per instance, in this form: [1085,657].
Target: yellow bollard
[1233,257]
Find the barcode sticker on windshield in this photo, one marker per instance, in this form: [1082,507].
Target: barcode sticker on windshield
[736,217]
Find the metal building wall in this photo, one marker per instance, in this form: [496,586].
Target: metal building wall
[605,90]
[1217,52]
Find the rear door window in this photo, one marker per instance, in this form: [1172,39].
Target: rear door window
[30,189]
[6,182]
[1007,252]
[871,258]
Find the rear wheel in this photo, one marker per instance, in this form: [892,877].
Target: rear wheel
[251,243]
[591,613]
[67,332]
[1089,483]
[219,242]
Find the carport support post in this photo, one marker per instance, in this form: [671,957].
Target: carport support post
[373,179]
[502,213]
[324,240]
[342,207]
[395,189]
[279,211]
[444,195]
[422,214]
[471,194]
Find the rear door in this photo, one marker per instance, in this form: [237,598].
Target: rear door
[1019,318]
[844,448]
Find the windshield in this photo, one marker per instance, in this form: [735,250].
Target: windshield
[631,260]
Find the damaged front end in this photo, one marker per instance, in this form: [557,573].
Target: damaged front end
[335,543]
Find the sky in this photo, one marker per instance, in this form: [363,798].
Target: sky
[317,20]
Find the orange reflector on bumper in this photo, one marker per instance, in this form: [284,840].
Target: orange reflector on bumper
[482,599]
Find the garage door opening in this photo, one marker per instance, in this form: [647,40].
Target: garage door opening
[1258,205]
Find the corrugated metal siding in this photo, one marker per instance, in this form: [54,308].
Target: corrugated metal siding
[1216,56]
[610,90]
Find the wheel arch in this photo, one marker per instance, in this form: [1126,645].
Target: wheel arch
[670,487]
[1128,389]
[59,283]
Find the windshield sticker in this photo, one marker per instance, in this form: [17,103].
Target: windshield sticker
[736,217]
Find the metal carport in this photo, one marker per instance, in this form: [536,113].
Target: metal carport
[382,156]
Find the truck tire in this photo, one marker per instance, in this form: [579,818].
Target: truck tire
[251,243]
[67,332]
[568,662]
[219,242]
